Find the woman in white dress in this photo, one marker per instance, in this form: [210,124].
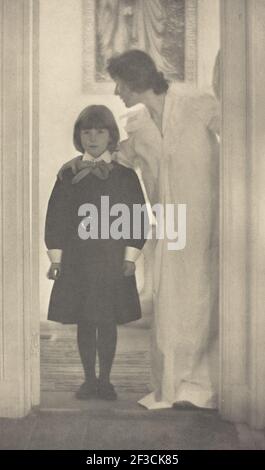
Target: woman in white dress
[173,141]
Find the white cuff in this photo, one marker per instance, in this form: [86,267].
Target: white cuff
[131,253]
[55,255]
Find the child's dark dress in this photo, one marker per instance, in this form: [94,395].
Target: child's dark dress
[92,283]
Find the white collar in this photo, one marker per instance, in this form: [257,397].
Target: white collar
[105,156]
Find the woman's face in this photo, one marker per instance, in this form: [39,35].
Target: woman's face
[95,141]
[129,97]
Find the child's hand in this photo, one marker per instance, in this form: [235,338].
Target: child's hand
[128,268]
[54,271]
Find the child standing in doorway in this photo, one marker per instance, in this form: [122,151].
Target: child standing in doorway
[94,274]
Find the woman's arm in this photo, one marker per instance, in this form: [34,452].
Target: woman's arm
[71,164]
[139,223]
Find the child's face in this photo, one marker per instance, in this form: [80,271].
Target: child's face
[95,141]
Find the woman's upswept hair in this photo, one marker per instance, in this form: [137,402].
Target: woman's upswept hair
[96,117]
[138,70]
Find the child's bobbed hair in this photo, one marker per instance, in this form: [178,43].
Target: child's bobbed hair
[96,117]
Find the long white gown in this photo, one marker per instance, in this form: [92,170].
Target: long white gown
[181,166]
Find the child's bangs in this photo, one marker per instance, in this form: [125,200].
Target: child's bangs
[93,121]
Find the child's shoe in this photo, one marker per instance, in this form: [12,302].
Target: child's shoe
[106,391]
[86,391]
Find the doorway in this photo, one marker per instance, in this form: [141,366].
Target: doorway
[66,98]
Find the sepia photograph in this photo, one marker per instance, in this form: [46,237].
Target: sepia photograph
[132,228]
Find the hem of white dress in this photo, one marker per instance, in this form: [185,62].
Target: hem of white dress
[150,402]
[198,397]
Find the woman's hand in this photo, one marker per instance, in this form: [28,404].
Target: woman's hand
[54,271]
[73,164]
[128,268]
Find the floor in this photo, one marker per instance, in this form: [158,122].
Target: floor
[118,430]
[66,423]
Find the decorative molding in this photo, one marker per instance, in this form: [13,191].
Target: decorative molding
[11,216]
[233,223]
[34,207]
[2,324]
[20,386]
[255,151]
[35,343]
[242,336]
